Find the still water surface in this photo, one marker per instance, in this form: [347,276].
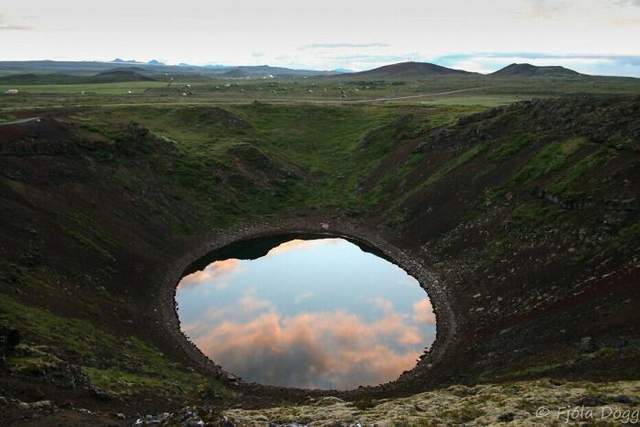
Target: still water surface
[311,313]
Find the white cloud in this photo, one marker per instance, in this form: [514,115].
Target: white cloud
[343,45]
[213,274]
[629,2]
[324,349]
[356,34]
[8,25]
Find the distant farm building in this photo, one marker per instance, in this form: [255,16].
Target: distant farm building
[12,92]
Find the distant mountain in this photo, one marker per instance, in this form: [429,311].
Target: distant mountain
[129,74]
[125,61]
[528,70]
[406,70]
[234,73]
[249,71]
[154,67]
[120,75]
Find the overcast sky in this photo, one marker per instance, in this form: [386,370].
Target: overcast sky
[596,36]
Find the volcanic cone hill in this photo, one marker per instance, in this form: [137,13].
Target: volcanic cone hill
[528,70]
[406,70]
[120,75]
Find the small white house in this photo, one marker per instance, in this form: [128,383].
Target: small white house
[12,92]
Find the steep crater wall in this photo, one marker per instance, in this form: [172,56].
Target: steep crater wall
[254,240]
[526,217]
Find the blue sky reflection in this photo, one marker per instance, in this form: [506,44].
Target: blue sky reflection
[312,313]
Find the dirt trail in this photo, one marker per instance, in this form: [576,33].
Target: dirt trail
[422,95]
[21,121]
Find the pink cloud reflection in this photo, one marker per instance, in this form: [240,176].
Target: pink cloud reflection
[423,312]
[213,272]
[301,244]
[324,349]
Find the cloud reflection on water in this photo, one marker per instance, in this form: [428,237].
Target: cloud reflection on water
[294,244]
[275,327]
[324,349]
[212,273]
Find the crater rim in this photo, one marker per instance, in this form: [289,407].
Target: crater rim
[217,246]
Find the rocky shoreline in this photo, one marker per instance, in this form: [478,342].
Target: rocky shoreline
[308,227]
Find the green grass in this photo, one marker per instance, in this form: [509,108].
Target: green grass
[37,361]
[628,238]
[43,326]
[534,371]
[485,92]
[231,163]
[131,360]
[454,164]
[123,382]
[119,88]
[445,169]
[534,212]
[579,172]
[511,147]
[474,100]
[306,156]
[91,243]
[325,148]
[549,159]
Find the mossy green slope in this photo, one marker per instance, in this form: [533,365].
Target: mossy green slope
[528,212]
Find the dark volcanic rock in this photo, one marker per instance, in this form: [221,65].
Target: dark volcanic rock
[9,339]
[521,222]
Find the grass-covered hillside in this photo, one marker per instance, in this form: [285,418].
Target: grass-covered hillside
[527,213]
[57,85]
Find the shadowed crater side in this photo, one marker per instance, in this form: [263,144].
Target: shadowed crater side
[522,222]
